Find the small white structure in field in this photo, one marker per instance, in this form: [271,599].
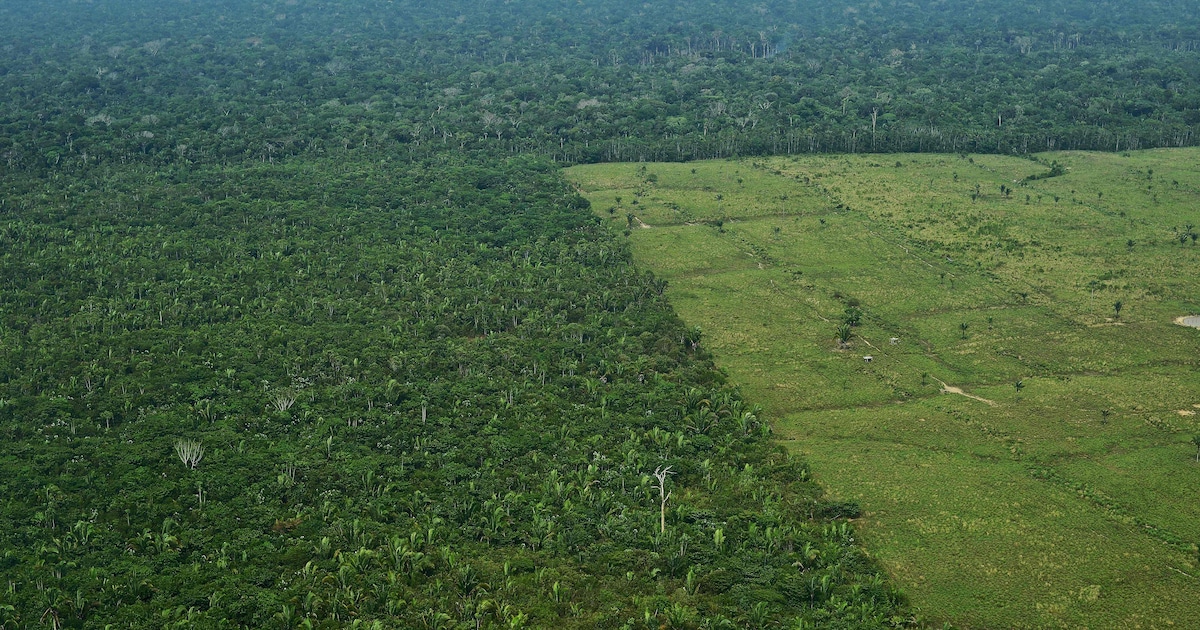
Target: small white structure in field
[895,340]
[868,358]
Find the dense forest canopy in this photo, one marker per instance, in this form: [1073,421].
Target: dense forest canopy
[587,81]
[434,397]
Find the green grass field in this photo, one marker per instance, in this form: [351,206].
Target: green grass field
[1070,501]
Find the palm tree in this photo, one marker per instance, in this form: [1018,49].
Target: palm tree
[843,333]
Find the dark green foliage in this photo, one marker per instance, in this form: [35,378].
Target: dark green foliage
[111,83]
[838,509]
[1056,170]
[415,397]
[852,316]
[843,333]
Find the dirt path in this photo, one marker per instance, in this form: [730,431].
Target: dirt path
[955,390]
[641,224]
[947,389]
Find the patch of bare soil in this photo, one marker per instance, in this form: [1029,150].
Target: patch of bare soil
[949,389]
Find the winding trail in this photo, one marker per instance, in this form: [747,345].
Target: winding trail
[955,390]
[946,389]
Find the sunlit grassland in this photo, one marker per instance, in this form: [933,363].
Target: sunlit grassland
[672,194]
[1065,501]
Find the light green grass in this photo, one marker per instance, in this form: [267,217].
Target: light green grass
[673,194]
[1067,503]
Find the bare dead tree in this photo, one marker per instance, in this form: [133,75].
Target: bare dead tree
[283,400]
[661,474]
[190,452]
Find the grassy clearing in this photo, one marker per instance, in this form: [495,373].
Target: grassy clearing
[675,194]
[1065,502]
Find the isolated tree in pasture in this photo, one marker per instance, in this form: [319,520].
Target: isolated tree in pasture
[1117,309]
[852,316]
[843,334]
[1196,442]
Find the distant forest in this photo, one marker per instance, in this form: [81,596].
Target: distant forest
[590,80]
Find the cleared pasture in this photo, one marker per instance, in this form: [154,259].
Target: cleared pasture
[1056,487]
